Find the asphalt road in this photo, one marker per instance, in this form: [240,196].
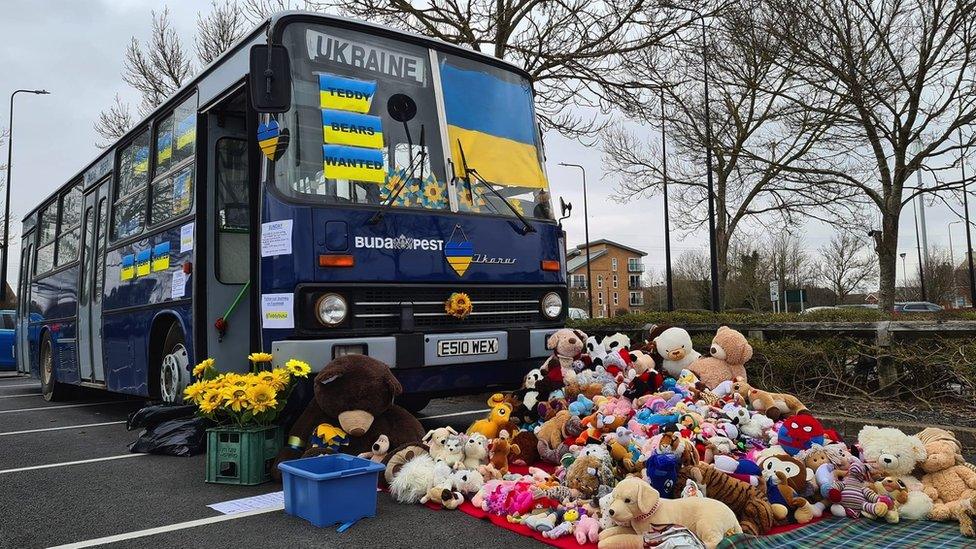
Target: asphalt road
[69,503]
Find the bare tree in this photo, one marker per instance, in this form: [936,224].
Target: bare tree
[755,134]
[845,264]
[690,276]
[897,78]
[790,263]
[161,65]
[576,50]
[940,284]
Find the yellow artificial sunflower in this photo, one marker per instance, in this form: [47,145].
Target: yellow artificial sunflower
[274,379]
[261,398]
[459,305]
[202,368]
[211,401]
[260,357]
[298,368]
[194,391]
[235,398]
[235,380]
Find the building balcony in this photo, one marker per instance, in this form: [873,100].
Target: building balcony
[635,267]
[635,285]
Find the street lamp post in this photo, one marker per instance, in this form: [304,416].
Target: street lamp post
[667,215]
[6,206]
[904,271]
[586,235]
[712,242]
[965,211]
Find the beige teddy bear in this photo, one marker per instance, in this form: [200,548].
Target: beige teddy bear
[948,479]
[729,353]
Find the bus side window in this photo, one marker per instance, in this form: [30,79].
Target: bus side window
[171,192]
[232,210]
[98,263]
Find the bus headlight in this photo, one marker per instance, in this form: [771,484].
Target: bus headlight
[552,305]
[331,309]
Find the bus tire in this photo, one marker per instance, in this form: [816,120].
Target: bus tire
[50,388]
[413,403]
[173,370]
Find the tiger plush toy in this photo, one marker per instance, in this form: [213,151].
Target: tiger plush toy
[748,502]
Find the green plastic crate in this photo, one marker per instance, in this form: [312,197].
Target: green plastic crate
[242,456]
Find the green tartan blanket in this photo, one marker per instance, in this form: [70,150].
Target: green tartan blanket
[862,534]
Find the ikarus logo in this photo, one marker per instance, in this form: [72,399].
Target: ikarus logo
[460,254]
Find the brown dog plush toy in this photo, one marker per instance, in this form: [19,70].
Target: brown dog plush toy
[354,393]
[773,405]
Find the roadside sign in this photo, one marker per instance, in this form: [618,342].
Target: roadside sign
[796,296]
[774,290]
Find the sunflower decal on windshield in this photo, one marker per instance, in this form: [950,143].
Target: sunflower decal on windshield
[434,195]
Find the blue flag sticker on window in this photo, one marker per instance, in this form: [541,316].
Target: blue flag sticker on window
[143,267]
[353,163]
[128,271]
[160,257]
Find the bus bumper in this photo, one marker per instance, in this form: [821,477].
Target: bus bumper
[428,363]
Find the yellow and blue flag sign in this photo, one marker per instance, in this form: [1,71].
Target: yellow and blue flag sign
[160,257]
[186,131]
[268,135]
[493,119]
[128,271]
[140,162]
[143,267]
[164,147]
[345,94]
[349,128]
[353,163]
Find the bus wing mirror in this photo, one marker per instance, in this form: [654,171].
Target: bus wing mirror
[270,73]
[566,208]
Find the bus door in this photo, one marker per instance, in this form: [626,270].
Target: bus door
[227,220]
[91,275]
[23,307]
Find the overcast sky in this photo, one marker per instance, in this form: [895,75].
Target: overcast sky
[74,49]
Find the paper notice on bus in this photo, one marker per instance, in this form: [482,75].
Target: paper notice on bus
[178,289]
[186,238]
[278,310]
[276,238]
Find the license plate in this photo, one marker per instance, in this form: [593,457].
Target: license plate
[467,347]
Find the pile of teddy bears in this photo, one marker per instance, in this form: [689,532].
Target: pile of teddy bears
[606,441]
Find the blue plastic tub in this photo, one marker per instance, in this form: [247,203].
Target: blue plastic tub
[330,489]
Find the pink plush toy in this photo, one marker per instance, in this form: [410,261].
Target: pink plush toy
[587,530]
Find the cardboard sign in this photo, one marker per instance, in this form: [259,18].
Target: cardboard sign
[160,257]
[128,271]
[353,163]
[349,128]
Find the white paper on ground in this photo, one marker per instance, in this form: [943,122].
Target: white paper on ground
[253,503]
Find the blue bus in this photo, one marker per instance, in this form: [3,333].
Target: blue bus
[325,187]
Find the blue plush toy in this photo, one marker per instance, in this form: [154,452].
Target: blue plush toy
[581,407]
[662,473]
[648,417]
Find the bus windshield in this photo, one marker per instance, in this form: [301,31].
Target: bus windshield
[366,128]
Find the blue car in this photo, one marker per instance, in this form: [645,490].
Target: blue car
[7,355]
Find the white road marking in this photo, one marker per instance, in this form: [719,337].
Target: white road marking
[64,428]
[469,413]
[58,407]
[5,386]
[67,463]
[169,528]
[21,396]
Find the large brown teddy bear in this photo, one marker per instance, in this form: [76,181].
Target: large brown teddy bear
[354,393]
[948,479]
[729,353]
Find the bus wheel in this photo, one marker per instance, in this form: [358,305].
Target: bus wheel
[51,389]
[173,371]
[413,403]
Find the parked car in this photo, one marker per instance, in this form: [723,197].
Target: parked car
[577,314]
[872,306]
[809,310]
[917,307]
[8,319]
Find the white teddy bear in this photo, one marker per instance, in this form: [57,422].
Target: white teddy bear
[674,345]
[890,452]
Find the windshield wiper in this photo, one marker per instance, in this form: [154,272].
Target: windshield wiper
[393,196]
[468,171]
